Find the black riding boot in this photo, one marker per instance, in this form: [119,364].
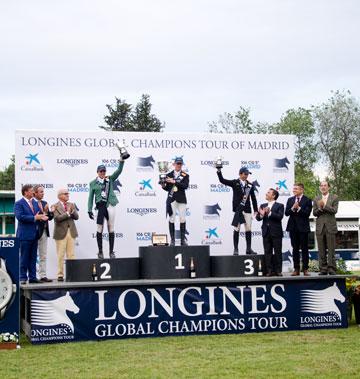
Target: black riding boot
[172,233]
[249,250]
[111,244]
[100,246]
[182,233]
[236,242]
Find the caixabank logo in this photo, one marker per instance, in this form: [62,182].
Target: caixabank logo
[212,237]
[282,187]
[32,163]
[281,165]
[78,187]
[145,188]
[320,307]
[212,212]
[51,319]
[145,164]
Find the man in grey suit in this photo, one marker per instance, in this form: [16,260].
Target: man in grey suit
[325,209]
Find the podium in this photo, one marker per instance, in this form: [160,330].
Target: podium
[80,270]
[173,262]
[223,266]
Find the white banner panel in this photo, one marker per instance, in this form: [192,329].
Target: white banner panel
[69,159]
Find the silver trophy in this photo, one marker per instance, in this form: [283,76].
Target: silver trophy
[122,148]
[164,168]
[219,163]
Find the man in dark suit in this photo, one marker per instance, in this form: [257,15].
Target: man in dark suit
[43,231]
[243,190]
[28,214]
[298,208]
[325,209]
[177,181]
[271,214]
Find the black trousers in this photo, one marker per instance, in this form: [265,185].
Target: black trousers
[273,254]
[300,240]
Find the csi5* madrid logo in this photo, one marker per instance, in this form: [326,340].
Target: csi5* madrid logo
[32,163]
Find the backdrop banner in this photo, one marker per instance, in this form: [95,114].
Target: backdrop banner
[9,293]
[69,159]
[149,311]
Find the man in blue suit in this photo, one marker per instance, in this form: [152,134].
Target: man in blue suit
[27,214]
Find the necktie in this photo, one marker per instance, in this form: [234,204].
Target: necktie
[31,206]
[298,199]
[65,207]
[40,206]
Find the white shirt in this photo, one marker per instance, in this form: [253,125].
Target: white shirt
[243,183]
[176,174]
[270,204]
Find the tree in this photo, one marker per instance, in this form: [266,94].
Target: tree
[7,176]
[338,130]
[239,122]
[122,117]
[299,122]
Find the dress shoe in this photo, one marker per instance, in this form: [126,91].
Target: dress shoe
[332,273]
[100,255]
[60,279]
[35,281]
[45,280]
[251,251]
[23,282]
[112,255]
[236,251]
[322,273]
[295,273]
[306,273]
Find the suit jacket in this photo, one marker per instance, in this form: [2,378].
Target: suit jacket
[298,220]
[326,217]
[238,193]
[63,221]
[27,226]
[182,183]
[44,225]
[271,224]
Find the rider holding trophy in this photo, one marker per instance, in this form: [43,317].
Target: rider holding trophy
[175,183]
[102,188]
[243,190]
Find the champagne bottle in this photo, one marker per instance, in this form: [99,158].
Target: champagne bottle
[260,270]
[94,273]
[192,268]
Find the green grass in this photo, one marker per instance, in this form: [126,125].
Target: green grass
[320,354]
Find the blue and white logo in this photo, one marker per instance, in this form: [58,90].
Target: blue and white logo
[211,212]
[211,237]
[145,188]
[282,188]
[281,165]
[32,163]
[218,187]
[145,164]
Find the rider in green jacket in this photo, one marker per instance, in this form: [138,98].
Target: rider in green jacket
[102,188]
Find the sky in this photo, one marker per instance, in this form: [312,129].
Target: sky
[62,61]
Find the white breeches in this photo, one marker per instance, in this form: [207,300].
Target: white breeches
[179,208]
